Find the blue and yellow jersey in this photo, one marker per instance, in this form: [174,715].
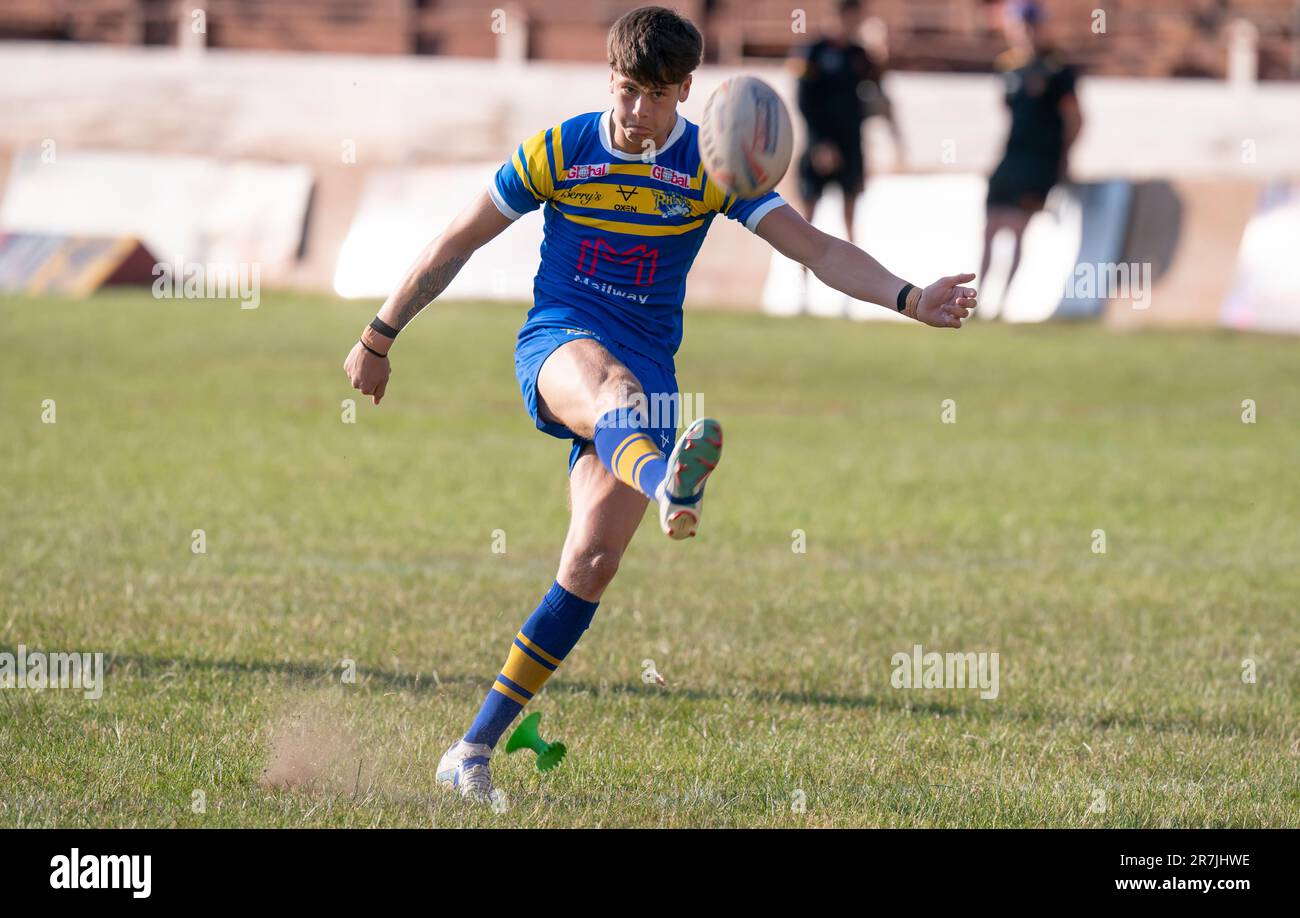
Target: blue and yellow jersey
[621,233]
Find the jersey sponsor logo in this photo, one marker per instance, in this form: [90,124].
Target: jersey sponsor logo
[644,258]
[671,204]
[671,176]
[588,170]
[627,195]
[610,289]
[580,197]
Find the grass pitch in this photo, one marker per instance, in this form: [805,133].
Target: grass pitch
[1121,698]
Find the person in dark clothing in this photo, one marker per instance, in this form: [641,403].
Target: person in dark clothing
[839,87]
[1045,120]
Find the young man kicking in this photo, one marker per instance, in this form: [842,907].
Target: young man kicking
[627,204]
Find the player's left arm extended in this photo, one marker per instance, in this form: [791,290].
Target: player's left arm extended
[850,270]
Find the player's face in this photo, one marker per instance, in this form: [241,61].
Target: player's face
[644,115]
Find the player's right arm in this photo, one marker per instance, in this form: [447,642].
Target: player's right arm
[522,183]
[368,366]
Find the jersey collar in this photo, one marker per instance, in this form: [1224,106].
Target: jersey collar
[607,132]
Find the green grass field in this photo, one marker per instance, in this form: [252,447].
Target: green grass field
[1122,701]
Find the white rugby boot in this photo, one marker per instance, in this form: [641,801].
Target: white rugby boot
[464,767]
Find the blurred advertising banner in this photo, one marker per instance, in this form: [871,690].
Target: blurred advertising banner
[927,226]
[402,209]
[190,208]
[1264,293]
[75,265]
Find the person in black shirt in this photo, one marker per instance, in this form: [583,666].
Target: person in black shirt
[1045,120]
[839,87]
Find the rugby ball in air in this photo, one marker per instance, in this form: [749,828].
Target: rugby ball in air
[746,138]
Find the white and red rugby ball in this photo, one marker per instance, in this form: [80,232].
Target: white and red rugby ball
[746,138]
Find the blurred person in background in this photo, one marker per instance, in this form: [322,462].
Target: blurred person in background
[1045,121]
[839,87]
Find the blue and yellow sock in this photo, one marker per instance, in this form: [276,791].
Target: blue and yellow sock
[629,452]
[540,646]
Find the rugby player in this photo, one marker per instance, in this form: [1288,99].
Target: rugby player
[626,205]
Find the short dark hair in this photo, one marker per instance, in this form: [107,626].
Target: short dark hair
[654,46]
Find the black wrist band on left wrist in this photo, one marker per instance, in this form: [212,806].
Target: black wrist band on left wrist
[371,349]
[901,300]
[383,328]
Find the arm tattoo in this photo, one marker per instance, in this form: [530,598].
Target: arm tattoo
[427,287]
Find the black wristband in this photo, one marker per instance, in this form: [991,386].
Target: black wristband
[383,328]
[371,349]
[901,300]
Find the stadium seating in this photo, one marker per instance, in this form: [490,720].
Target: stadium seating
[1142,37]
